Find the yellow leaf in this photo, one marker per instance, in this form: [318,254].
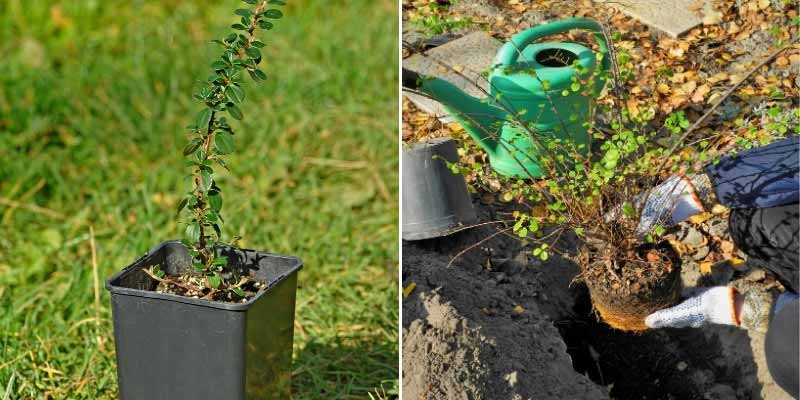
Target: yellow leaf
[719,209]
[507,196]
[662,88]
[458,68]
[408,289]
[736,261]
[700,93]
[705,268]
[699,218]
[519,310]
[688,87]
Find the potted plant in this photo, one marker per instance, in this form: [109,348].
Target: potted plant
[593,189]
[201,318]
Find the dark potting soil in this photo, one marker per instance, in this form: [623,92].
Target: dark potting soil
[495,325]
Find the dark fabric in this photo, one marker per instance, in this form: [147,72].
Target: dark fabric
[781,348]
[766,176]
[769,237]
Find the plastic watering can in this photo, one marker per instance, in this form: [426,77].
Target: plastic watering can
[536,83]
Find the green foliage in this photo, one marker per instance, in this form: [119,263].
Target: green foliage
[211,136]
[676,122]
[433,23]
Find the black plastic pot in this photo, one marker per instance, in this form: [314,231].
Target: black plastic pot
[175,347]
[436,201]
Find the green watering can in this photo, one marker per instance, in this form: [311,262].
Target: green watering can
[515,88]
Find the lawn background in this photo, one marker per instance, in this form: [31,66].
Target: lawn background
[94,96]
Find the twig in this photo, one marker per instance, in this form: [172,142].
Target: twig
[460,253]
[181,285]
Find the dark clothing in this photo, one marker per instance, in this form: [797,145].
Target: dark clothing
[781,348]
[767,176]
[762,186]
[769,237]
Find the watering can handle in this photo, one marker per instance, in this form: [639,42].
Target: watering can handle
[507,56]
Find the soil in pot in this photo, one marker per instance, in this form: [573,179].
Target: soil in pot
[628,284]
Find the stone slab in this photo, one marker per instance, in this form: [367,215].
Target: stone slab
[471,54]
[673,17]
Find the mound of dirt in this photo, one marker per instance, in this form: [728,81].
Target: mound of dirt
[477,331]
[495,325]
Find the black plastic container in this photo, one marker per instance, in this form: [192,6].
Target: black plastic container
[175,347]
[436,201]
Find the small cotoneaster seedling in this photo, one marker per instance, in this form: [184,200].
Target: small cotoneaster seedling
[211,138]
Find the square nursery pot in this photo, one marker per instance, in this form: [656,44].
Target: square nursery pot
[175,347]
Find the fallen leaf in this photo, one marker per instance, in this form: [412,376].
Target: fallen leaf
[726,246]
[735,261]
[408,289]
[662,88]
[699,218]
[688,87]
[700,93]
[705,268]
[652,256]
[719,209]
[519,310]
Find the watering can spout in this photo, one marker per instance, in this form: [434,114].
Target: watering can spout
[480,119]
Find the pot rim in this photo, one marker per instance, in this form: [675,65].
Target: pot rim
[111,286]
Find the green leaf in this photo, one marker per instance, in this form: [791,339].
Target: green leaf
[199,267]
[251,1]
[243,12]
[277,2]
[239,27]
[214,280]
[258,44]
[203,118]
[192,146]
[239,292]
[253,53]
[206,179]
[273,13]
[627,209]
[193,231]
[544,256]
[235,112]
[224,143]
[236,93]
[575,86]
[265,25]
[258,75]
[215,201]
[182,204]
[221,260]
[219,65]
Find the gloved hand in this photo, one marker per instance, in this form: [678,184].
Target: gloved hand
[675,200]
[713,305]
[720,305]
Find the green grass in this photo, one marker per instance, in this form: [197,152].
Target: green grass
[94,96]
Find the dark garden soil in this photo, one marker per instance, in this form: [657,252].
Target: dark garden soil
[496,325]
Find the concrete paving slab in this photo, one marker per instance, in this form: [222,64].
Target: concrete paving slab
[470,54]
[673,17]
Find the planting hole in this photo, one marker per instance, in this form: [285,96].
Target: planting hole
[556,58]
[658,364]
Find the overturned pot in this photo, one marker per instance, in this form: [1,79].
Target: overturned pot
[436,201]
[627,286]
[175,347]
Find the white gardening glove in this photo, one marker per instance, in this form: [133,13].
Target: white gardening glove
[718,305]
[714,305]
[673,201]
